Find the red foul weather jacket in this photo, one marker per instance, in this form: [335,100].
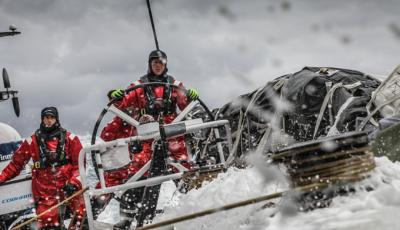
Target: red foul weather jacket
[46,182]
[137,101]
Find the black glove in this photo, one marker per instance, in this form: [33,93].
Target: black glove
[69,189]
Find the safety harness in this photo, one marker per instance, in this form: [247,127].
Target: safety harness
[46,159]
[156,107]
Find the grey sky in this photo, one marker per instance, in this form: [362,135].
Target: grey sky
[70,53]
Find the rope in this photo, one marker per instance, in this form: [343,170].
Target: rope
[48,210]
[310,165]
[368,118]
[375,94]
[329,97]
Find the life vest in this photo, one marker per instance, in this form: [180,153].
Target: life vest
[154,106]
[47,158]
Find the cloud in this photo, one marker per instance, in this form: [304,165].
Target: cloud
[70,53]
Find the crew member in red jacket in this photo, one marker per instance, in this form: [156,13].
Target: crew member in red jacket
[54,152]
[146,104]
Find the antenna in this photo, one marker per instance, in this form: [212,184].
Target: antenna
[152,24]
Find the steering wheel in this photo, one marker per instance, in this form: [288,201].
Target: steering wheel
[106,109]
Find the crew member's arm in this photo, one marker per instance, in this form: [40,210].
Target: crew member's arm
[122,100]
[132,98]
[141,158]
[182,98]
[74,182]
[18,161]
[116,129]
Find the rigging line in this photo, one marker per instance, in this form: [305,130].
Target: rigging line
[152,24]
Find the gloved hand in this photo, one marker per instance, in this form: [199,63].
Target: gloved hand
[117,93]
[192,94]
[69,189]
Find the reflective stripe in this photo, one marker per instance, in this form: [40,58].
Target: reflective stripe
[29,140]
[137,82]
[177,83]
[36,165]
[71,136]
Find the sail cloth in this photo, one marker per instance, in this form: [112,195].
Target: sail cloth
[306,105]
